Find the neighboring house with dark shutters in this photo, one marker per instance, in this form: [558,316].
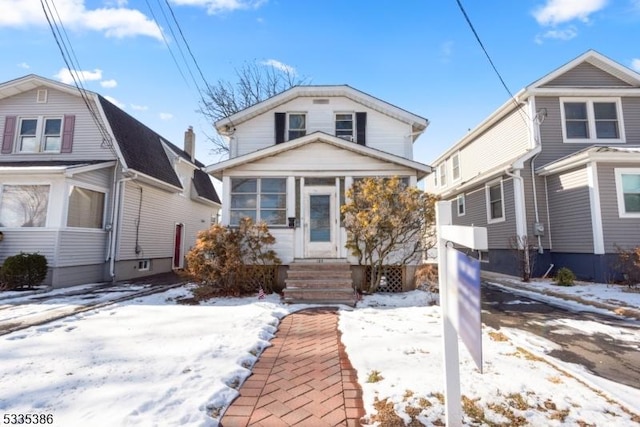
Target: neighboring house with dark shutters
[292,158]
[98,193]
[558,166]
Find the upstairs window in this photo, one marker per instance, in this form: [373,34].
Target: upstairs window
[297,125]
[261,199]
[344,126]
[495,205]
[24,205]
[587,120]
[442,171]
[455,167]
[39,135]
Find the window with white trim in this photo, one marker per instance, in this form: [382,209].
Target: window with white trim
[86,208]
[24,205]
[261,199]
[495,202]
[297,125]
[628,192]
[442,171]
[39,134]
[461,204]
[344,126]
[455,167]
[591,120]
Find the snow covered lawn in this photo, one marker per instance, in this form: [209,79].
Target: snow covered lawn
[151,361]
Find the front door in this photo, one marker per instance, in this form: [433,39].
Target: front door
[320,222]
[177,246]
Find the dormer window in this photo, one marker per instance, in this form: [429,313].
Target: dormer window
[297,125]
[344,126]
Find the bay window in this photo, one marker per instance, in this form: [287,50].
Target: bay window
[24,205]
[86,208]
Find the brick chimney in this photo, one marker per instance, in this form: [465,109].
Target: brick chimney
[190,142]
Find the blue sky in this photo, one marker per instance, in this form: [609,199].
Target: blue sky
[418,55]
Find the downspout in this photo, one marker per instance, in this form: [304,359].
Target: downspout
[114,225]
[521,219]
[535,200]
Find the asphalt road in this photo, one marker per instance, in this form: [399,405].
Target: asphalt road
[605,352]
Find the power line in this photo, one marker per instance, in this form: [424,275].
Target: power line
[495,69]
[68,54]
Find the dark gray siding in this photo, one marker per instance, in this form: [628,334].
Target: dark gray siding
[631,114]
[624,232]
[569,209]
[586,74]
[530,204]
[498,233]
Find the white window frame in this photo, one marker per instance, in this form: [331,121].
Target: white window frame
[93,188]
[442,174]
[289,130]
[622,212]
[461,202]
[455,159]
[350,137]
[25,184]
[591,122]
[39,136]
[258,208]
[487,189]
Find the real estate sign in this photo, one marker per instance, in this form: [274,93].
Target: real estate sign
[464,276]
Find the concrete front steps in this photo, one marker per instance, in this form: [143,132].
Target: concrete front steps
[319,281]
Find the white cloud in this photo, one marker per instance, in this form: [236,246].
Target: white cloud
[139,107]
[635,64]
[446,50]
[109,83]
[166,116]
[65,76]
[118,22]
[115,102]
[220,6]
[24,65]
[280,66]
[559,11]
[564,34]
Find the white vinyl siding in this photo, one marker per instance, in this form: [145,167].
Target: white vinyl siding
[87,140]
[592,120]
[384,133]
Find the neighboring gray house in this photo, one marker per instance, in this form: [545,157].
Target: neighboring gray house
[558,165]
[98,193]
[292,158]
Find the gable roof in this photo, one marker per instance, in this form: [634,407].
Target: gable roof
[417,123]
[218,169]
[139,148]
[624,74]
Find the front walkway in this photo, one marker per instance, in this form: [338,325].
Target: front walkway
[304,378]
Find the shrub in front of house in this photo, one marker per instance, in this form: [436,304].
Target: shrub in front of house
[233,260]
[565,277]
[23,270]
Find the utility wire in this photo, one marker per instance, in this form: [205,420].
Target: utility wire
[58,30]
[495,69]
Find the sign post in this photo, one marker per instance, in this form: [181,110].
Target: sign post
[451,272]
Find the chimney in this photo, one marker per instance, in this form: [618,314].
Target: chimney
[190,142]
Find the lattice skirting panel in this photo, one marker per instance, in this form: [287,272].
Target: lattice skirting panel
[393,278]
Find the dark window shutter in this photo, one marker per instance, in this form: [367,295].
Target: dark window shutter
[67,134]
[8,135]
[281,121]
[361,126]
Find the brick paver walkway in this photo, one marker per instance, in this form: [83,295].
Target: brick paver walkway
[304,378]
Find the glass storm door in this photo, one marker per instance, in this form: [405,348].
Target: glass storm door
[320,222]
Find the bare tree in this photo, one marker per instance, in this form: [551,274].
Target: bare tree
[256,81]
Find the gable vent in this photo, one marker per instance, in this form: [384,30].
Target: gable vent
[320,101]
[42,96]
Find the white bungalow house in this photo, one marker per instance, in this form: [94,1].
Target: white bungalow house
[293,156]
[98,193]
